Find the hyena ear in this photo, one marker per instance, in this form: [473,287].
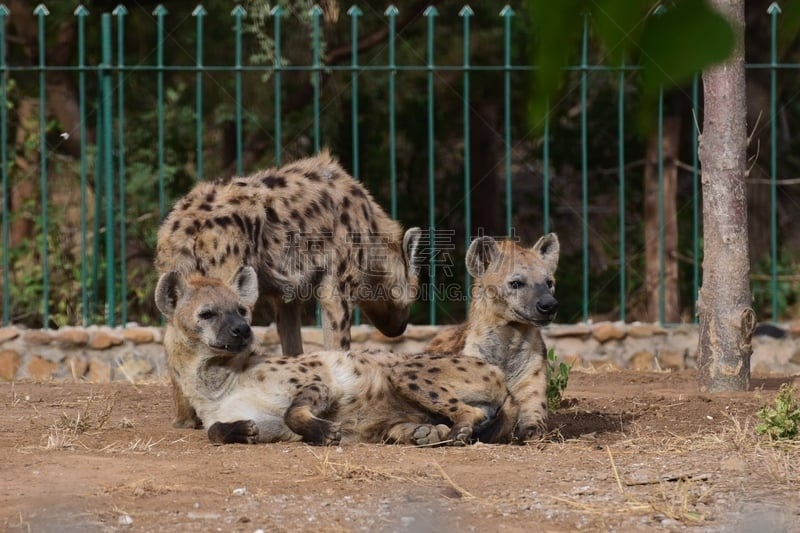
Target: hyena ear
[411,249]
[245,284]
[548,248]
[480,255]
[169,289]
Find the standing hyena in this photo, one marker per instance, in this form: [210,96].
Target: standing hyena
[512,299]
[323,398]
[310,231]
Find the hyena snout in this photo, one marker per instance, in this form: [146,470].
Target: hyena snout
[235,333]
[547,305]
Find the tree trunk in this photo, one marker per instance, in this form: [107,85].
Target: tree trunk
[669,151]
[726,318]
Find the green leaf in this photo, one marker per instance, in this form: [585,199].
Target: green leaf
[682,41]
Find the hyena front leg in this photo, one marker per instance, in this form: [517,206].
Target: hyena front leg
[238,432]
[303,416]
[185,415]
[531,394]
[468,391]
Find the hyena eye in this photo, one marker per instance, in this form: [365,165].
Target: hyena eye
[516,284]
[550,283]
[242,310]
[207,314]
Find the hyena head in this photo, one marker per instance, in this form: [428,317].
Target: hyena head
[209,312]
[513,283]
[388,298]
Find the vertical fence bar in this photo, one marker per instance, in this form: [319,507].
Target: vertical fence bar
[621,162]
[41,12]
[159,12]
[81,12]
[120,12]
[354,13]
[316,13]
[546,171]
[276,13]
[391,12]
[507,13]
[695,192]
[4,162]
[316,79]
[108,168]
[466,13]
[238,12]
[660,157]
[585,169]
[98,201]
[199,13]
[430,13]
[773,11]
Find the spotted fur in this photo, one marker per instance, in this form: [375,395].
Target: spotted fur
[514,298]
[310,231]
[324,398]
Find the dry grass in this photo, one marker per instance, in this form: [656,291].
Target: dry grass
[66,430]
[328,468]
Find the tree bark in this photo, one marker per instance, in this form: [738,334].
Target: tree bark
[726,319]
[669,151]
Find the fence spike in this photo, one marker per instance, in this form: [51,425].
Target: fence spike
[80,11]
[120,10]
[238,11]
[276,11]
[4,12]
[160,10]
[430,11]
[199,11]
[391,11]
[774,9]
[354,11]
[41,9]
[466,11]
[507,11]
[315,11]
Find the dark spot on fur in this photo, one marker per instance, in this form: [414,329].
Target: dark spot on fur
[453,400]
[189,230]
[176,225]
[461,369]
[434,370]
[356,190]
[272,181]
[272,215]
[310,175]
[411,375]
[345,202]
[205,207]
[433,395]
[211,196]
[453,409]
[413,386]
[344,343]
[428,381]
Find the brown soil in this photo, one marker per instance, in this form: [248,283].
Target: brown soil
[628,452]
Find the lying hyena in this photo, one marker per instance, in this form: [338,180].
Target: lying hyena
[325,398]
[309,230]
[512,299]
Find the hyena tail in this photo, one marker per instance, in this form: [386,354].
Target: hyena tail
[501,427]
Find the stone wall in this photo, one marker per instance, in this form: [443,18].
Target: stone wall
[135,353]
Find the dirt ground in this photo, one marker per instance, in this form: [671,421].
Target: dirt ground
[628,452]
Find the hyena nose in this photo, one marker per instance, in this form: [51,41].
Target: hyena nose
[241,330]
[547,306]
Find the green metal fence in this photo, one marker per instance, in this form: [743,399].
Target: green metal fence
[103,170]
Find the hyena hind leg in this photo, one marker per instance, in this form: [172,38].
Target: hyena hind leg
[465,390]
[304,416]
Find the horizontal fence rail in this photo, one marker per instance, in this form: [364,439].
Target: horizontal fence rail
[104,78]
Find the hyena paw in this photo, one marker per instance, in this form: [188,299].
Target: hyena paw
[240,431]
[460,435]
[427,434]
[334,435]
[530,433]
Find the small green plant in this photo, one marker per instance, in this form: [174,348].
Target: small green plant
[557,378]
[783,420]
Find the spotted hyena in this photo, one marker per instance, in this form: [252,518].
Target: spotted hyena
[310,231]
[513,299]
[324,398]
